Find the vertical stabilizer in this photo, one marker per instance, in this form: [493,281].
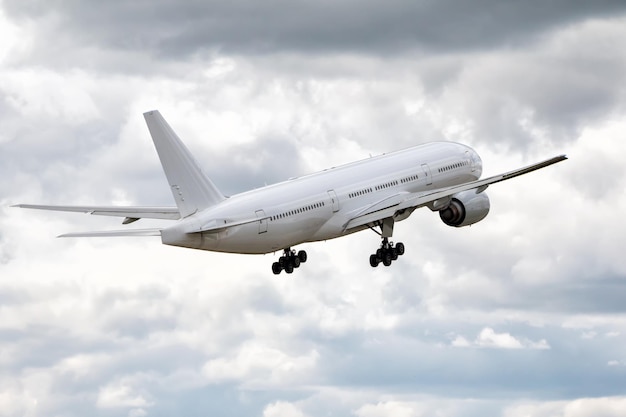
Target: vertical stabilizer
[192,189]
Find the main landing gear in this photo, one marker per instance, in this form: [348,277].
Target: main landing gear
[387,253]
[289,261]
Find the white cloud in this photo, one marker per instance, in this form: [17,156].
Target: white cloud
[282,409]
[17,402]
[42,93]
[391,408]
[460,341]
[15,40]
[583,407]
[137,412]
[256,363]
[121,394]
[488,338]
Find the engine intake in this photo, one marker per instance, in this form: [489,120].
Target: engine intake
[465,208]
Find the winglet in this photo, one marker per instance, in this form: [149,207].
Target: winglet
[192,189]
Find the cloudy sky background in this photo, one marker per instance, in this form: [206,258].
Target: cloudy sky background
[523,314]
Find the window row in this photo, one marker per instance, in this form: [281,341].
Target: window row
[453,166]
[409,179]
[383,186]
[387,185]
[360,192]
[298,210]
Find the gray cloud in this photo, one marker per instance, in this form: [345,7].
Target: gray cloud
[523,307]
[180,29]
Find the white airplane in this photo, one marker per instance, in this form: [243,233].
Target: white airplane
[370,194]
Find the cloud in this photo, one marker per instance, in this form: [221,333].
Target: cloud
[489,338]
[395,408]
[115,396]
[521,314]
[583,407]
[282,409]
[322,27]
[255,364]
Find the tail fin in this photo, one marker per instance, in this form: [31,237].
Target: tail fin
[191,188]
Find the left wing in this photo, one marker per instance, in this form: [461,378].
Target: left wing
[115,233]
[131,214]
[435,199]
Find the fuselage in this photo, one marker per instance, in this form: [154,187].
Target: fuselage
[317,206]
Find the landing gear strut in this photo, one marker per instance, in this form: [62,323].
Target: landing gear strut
[387,253]
[289,261]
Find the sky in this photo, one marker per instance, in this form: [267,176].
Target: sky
[522,314]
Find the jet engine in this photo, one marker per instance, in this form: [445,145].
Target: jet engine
[465,208]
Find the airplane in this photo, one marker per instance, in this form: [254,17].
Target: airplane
[373,194]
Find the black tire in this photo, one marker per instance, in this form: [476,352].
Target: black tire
[374,261]
[394,254]
[289,268]
[296,262]
[400,248]
[276,268]
[282,261]
[387,259]
[303,256]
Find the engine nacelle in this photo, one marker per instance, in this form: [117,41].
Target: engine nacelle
[465,208]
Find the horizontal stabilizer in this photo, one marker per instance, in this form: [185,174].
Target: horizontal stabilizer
[167,213]
[115,233]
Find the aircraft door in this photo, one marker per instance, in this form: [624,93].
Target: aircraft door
[260,214]
[427,174]
[334,200]
[470,160]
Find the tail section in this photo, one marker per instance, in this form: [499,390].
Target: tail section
[192,189]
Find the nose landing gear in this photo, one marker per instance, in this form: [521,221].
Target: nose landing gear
[289,261]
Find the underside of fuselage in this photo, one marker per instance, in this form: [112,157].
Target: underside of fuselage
[255,238]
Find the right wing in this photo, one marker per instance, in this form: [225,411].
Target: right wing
[435,199]
[131,214]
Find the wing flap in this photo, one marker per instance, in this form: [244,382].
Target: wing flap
[437,198]
[167,213]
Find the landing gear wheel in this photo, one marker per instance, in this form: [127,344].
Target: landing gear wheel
[387,253]
[289,261]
